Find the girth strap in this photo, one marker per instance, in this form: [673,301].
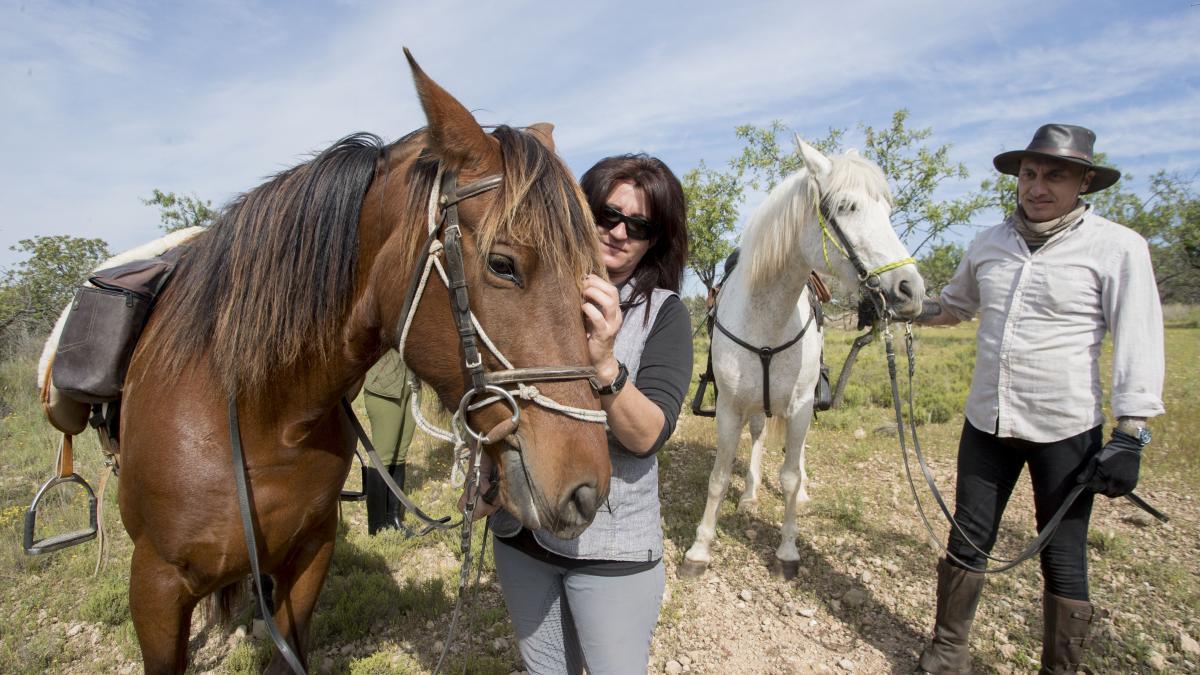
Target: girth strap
[765,354]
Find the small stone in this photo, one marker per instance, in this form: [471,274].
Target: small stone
[347,650]
[835,605]
[867,576]
[499,644]
[846,664]
[1157,661]
[808,612]
[259,630]
[739,604]
[1139,519]
[327,664]
[746,595]
[1008,650]
[74,630]
[890,567]
[673,667]
[788,609]
[1187,645]
[855,597]
[752,534]
[685,660]
[860,433]
[438,647]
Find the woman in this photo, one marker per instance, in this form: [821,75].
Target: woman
[594,601]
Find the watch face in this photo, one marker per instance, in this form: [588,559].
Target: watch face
[1143,435]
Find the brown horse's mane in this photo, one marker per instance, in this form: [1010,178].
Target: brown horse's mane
[270,283]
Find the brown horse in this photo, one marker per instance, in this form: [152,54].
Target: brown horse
[287,300]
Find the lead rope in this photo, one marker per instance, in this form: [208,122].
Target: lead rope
[1044,535]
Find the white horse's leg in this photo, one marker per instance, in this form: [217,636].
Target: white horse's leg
[792,480]
[802,494]
[758,439]
[729,428]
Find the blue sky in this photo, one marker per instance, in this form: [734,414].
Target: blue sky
[105,101]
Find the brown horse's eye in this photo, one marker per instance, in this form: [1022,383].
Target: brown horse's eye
[503,267]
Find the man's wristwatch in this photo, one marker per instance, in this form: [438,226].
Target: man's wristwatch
[616,385]
[1135,428]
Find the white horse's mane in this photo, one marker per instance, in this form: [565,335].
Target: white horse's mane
[775,229]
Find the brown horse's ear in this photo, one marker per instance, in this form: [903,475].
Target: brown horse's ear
[456,137]
[544,132]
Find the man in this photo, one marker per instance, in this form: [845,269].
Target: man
[1047,284]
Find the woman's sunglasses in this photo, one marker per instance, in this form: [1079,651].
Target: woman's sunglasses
[635,227]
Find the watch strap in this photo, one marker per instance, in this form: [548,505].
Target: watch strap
[616,385]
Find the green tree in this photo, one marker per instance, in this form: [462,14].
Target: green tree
[35,292]
[178,212]
[712,212]
[938,265]
[914,170]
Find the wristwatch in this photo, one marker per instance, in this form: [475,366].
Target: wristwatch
[616,385]
[1136,429]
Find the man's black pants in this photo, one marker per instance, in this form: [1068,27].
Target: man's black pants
[988,468]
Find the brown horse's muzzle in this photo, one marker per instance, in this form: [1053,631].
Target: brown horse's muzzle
[563,503]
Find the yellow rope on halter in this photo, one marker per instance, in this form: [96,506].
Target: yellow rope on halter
[827,236]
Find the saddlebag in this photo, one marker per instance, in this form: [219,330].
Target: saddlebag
[103,326]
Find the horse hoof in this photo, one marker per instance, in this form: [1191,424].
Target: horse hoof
[692,569]
[785,570]
[747,505]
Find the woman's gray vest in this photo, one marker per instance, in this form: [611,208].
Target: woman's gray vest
[627,527]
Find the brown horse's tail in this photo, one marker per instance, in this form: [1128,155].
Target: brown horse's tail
[226,603]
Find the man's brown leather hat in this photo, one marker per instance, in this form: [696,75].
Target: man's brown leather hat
[1067,142]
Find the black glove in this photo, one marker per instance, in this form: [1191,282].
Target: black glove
[868,313]
[1113,472]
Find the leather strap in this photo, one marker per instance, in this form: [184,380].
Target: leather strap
[765,354]
[239,478]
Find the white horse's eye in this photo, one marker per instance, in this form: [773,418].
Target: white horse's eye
[848,207]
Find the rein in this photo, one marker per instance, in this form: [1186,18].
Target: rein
[1044,535]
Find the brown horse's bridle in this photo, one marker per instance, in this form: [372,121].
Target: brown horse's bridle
[445,235]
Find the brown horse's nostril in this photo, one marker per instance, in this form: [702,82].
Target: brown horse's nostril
[586,502]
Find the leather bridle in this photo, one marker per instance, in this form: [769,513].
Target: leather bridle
[445,236]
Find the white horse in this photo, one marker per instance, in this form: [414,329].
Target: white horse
[762,303]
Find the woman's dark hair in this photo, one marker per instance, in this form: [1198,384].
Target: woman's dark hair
[662,265]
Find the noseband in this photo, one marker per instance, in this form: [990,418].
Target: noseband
[869,283]
[483,387]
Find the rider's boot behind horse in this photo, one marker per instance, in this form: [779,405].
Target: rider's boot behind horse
[396,510]
[957,598]
[1065,630]
[384,511]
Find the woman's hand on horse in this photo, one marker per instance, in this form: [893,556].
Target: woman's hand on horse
[602,316]
[483,509]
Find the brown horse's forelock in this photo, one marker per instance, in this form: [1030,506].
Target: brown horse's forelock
[269,282]
[542,207]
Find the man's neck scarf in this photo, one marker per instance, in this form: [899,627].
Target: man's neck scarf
[1037,233]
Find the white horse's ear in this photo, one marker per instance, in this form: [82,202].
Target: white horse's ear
[853,152]
[817,163]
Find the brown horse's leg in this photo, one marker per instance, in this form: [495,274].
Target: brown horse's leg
[296,591]
[161,606]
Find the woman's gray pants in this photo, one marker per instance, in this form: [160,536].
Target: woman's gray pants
[565,620]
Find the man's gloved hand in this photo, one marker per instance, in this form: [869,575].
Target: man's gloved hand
[868,314]
[1113,472]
